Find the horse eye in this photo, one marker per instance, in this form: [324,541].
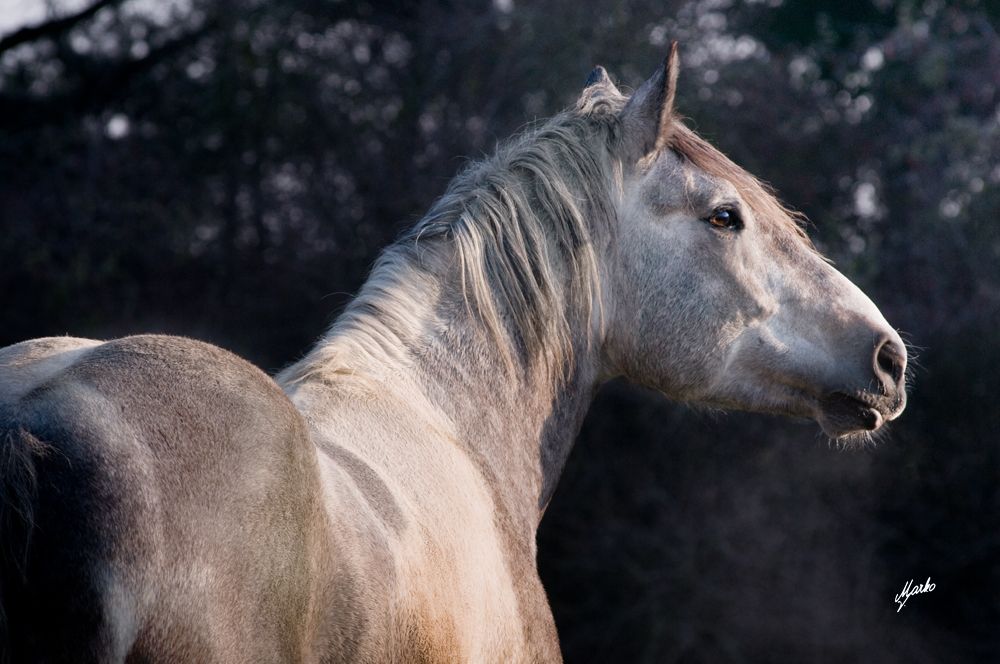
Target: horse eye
[725,219]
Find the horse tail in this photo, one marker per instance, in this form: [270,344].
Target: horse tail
[19,451]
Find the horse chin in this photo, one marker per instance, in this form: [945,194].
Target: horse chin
[843,416]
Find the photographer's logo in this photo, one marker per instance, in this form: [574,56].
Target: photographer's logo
[908,590]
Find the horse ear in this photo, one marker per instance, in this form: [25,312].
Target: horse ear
[648,115]
[598,86]
[600,77]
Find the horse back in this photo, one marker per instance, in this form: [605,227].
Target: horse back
[160,502]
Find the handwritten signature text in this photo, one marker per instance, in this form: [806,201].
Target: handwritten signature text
[908,590]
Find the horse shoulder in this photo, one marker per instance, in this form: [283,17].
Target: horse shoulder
[430,507]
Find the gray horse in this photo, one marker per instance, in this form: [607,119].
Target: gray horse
[165,501]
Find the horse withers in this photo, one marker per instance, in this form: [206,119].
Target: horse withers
[164,501]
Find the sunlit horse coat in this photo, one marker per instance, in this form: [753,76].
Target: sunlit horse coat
[164,501]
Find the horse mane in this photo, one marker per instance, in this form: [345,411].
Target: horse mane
[515,222]
[547,189]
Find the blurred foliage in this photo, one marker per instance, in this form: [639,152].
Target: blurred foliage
[228,169]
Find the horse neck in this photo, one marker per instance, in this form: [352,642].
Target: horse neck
[518,424]
[412,324]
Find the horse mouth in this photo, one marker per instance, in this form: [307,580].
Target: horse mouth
[844,414]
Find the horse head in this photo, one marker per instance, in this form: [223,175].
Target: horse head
[718,297]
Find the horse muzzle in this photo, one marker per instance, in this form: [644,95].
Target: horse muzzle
[860,411]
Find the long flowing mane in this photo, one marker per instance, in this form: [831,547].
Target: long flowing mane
[549,189]
[546,190]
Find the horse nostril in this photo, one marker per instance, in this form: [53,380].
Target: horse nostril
[891,360]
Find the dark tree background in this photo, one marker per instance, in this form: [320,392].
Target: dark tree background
[228,170]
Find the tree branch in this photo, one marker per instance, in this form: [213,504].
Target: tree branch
[95,88]
[51,28]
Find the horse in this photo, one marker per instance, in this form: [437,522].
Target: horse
[377,501]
